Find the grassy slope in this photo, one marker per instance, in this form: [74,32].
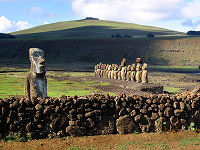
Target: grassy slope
[91,29]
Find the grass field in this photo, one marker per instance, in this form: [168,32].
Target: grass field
[12,81]
[13,84]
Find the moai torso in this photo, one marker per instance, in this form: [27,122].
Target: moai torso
[104,70]
[95,70]
[138,76]
[116,72]
[101,73]
[36,82]
[128,75]
[123,73]
[98,70]
[112,71]
[109,71]
[133,72]
[119,73]
[144,73]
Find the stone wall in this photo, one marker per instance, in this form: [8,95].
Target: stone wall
[99,114]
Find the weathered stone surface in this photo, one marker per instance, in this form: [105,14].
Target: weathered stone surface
[106,125]
[125,125]
[38,107]
[195,104]
[175,123]
[176,105]
[161,125]
[178,112]
[123,112]
[36,82]
[182,105]
[154,116]
[138,118]
[144,73]
[168,112]
[75,131]
[30,127]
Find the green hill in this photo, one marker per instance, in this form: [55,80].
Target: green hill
[87,42]
[92,29]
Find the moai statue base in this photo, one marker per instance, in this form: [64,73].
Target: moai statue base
[36,82]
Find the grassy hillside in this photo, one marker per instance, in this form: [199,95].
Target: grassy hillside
[91,29]
[73,44]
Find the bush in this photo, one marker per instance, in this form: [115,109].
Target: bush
[193,33]
[6,36]
[150,35]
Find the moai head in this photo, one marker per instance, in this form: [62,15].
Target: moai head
[110,67]
[139,67]
[129,68]
[116,68]
[144,67]
[37,59]
[132,67]
[139,60]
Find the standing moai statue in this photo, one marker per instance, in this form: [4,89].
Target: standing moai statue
[112,71]
[128,74]
[109,71]
[104,70]
[144,73]
[138,76]
[116,72]
[101,72]
[133,72]
[123,73]
[98,69]
[95,70]
[36,82]
[123,70]
[119,72]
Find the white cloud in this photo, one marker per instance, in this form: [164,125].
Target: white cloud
[197,28]
[7,25]
[45,22]
[35,9]
[129,10]
[191,9]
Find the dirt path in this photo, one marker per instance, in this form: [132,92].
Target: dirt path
[172,81]
[188,140]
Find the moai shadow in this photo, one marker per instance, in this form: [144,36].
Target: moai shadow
[36,82]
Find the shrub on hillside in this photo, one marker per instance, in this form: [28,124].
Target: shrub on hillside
[150,35]
[6,36]
[193,33]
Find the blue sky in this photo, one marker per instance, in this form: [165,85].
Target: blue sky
[180,15]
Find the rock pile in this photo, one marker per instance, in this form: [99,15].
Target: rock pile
[99,114]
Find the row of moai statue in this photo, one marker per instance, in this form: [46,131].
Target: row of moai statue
[132,72]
